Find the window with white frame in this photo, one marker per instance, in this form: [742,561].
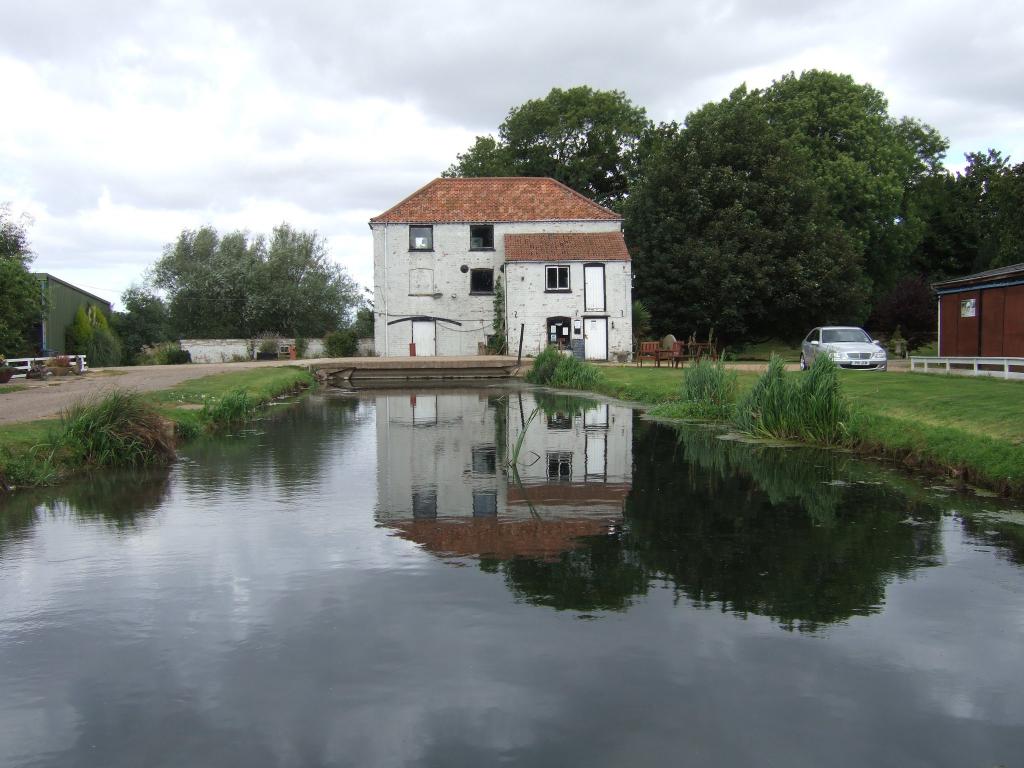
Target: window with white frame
[556,277]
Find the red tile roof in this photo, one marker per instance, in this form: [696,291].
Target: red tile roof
[497,199]
[577,246]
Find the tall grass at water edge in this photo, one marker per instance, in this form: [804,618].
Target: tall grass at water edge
[709,391]
[119,429]
[552,368]
[810,407]
[235,407]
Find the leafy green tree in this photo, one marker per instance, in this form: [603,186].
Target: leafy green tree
[237,286]
[732,231]
[585,138]
[363,326]
[973,219]
[866,161]
[90,333]
[145,321]
[21,302]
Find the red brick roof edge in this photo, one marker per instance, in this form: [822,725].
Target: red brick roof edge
[566,246]
[494,199]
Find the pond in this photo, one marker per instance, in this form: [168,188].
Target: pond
[465,577]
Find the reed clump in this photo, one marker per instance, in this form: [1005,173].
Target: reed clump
[552,368]
[236,407]
[119,429]
[709,390]
[811,407]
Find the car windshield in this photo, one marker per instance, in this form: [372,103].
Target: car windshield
[838,335]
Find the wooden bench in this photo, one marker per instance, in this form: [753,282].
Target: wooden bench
[649,350]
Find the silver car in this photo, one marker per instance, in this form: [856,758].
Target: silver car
[847,346]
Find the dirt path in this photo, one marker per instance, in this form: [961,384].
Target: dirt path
[45,399]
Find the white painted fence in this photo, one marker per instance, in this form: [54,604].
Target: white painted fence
[1006,367]
[22,364]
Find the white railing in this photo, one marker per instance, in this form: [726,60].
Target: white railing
[22,364]
[1007,367]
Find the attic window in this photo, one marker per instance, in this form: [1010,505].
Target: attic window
[481,281]
[481,237]
[421,238]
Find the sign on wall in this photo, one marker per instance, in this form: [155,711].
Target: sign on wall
[968,308]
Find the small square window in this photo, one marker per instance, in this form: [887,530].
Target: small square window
[481,281]
[968,308]
[481,237]
[557,278]
[421,238]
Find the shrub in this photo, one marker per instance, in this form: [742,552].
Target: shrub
[103,349]
[809,407]
[552,368]
[269,345]
[118,429]
[166,353]
[544,366]
[301,346]
[342,343]
[709,390]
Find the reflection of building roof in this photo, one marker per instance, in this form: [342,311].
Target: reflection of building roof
[569,494]
[579,246]
[504,540]
[497,199]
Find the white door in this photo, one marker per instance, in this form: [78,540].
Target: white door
[595,338]
[423,337]
[593,287]
[596,445]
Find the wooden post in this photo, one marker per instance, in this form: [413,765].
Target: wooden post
[519,358]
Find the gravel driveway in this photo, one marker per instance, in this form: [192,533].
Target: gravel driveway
[45,399]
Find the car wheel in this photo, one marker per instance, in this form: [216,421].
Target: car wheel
[803,363]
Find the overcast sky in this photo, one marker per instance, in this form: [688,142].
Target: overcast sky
[126,122]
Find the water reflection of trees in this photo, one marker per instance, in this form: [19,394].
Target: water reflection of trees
[286,448]
[120,499]
[767,532]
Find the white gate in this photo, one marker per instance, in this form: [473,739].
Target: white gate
[424,337]
[595,338]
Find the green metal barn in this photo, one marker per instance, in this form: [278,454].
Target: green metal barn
[62,301]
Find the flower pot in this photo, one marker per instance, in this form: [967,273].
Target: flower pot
[5,374]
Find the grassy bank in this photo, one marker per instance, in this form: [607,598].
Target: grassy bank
[132,429]
[969,429]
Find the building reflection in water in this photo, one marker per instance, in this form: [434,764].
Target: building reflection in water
[447,480]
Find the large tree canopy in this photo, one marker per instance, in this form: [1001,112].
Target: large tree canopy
[732,231]
[779,209]
[20,295]
[583,137]
[237,286]
[867,162]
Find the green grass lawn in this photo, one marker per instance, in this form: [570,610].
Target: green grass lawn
[968,427]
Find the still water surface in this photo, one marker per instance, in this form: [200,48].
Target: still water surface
[362,581]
